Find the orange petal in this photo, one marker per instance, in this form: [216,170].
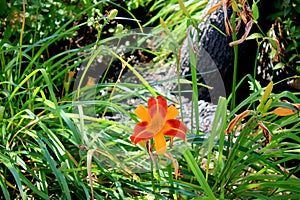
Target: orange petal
[141,133]
[175,128]
[142,113]
[158,105]
[160,143]
[172,112]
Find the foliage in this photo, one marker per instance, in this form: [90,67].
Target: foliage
[173,15]
[54,144]
[288,33]
[286,30]
[33,20]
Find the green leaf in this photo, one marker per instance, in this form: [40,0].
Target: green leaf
[255,11]
[265,96]
[183,8]
[9,164]
[278,66]
[52,164]
[198,173]
[4,188]
[254,36]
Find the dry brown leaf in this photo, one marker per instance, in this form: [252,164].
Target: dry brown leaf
[281,111]
[266,132]
[236,120]
[247,30]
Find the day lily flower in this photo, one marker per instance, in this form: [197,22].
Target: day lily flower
[157,122]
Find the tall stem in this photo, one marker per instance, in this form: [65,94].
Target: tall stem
[235,62]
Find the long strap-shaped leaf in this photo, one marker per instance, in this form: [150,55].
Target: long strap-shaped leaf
[198,174]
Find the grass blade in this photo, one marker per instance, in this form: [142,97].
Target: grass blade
[198,174]
[61,178]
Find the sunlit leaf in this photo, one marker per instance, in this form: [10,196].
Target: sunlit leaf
[254,36]
[255,11]
[279,65]
[267,105]
[183,8]
[265,96]
[234,6]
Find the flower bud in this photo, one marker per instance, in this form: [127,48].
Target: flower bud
[112,14]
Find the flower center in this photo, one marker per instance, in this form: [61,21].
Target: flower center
[157,123]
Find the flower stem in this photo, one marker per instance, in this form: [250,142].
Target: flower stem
[235,62]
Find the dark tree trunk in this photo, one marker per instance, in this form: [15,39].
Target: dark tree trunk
[215,57]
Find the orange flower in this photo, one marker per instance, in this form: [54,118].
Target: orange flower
[157,122]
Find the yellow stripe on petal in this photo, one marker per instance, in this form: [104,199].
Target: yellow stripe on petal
[175,128]
[172,112]
[160,143]
[141,133]
[142,113]
[143,144]
[157,106]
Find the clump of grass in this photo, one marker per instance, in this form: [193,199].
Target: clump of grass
[54,145]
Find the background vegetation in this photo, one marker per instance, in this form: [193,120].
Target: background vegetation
[50,147]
